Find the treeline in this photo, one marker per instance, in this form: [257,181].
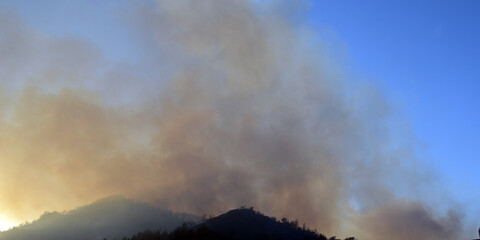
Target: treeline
[281,229]
[185,232]
[306,232]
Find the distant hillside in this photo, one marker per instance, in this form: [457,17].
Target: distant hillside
[248,224]
[238,224]
[111,218]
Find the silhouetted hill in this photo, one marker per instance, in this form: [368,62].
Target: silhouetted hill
[238,224]
[111,218]
[243,224]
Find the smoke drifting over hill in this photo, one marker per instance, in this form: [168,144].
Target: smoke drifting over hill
[231,104]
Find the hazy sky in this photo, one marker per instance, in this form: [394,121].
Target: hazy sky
[387,88]
[426,57]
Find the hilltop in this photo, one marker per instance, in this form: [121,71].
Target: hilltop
[116,217]
[238,224]
[112,217]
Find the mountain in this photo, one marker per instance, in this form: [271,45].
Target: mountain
[238,224]
[111,218]
[243,224]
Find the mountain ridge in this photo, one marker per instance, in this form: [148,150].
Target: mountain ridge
[111,217]
[116,217]
[238,224]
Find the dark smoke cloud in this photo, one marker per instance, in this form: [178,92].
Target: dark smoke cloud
[239,107]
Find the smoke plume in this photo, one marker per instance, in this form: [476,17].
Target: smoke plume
[232,104]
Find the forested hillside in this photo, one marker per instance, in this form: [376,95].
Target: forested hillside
[238,224]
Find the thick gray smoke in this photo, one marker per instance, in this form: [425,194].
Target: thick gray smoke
[232,105]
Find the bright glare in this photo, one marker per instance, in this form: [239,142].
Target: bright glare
[5,224]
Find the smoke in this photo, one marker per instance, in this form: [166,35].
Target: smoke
[411,220]
[234,105]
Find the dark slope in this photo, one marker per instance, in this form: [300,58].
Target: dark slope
[238,224]
[111,218]
[243,224]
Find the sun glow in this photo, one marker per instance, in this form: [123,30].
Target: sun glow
[6,224]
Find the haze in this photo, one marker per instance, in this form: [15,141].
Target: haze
[205,106]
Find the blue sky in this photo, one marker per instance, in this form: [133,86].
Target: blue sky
[424,56]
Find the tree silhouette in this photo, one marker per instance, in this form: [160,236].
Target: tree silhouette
[291,229]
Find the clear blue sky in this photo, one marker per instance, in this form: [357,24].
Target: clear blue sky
[425,55]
